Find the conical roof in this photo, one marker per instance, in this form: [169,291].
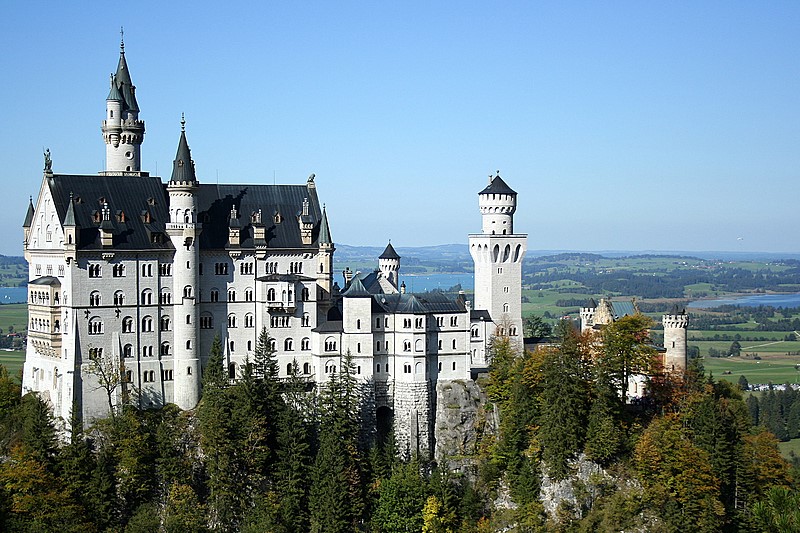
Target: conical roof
[124,83]
[69,218]
[389,253]
[324,230]
[183,166]
[498,186]
[29,215]
[356,288]
[113,93]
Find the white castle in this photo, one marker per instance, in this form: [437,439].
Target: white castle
[140,275]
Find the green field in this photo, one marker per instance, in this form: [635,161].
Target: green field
[789,448]
[771,368]
[15,315]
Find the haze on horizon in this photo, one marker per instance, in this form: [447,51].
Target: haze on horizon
[622,127]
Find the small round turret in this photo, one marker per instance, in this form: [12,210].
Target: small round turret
[389,264]
[497,203]
[676,324]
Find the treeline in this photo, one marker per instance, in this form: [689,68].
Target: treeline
[258,454]
[685,458]
[767,318]
[776,410]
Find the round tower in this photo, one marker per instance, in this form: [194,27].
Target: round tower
[389,264]
[676,324]
[182,230]
[123,132]
[587,315]
[497,203]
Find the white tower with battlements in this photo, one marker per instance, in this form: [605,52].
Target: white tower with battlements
[676,324]
[183,231]
[389,264]
[123,132]
[498,252]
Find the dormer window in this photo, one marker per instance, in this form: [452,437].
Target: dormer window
[278,218]
[151,201]
[96,217]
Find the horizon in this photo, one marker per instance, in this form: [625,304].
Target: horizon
[625,127]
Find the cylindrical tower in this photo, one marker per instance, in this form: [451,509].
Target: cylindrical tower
[676,324]
[497,205]
[123,132]
[587,315]
[389,263]
[182,230]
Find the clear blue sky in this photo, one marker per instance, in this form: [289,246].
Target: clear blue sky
[622,125]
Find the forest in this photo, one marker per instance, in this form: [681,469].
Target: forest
[264,454]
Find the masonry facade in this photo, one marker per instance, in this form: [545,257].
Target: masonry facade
[134,276]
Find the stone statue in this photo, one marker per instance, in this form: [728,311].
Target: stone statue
[48,163]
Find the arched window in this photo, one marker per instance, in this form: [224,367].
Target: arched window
[147,297]
[119,298]
[165,298]
[330,367]
[206,321]
[94,299]
[189,347]
[231,320]
[419,345]
[249,320]
[187,291]
[214,295]
[127,351]
[305,344]
[288,345]
[164,348]
[232,371]
[505,308]
[289,369]
[147,324]
[306,368]
[305,294]
[406,346]
[164,323]
[231,295]
[330,344]
[95,326]
[231,346]
[306,320]
[272,345]
[127,325]
[271,295]
[248,294]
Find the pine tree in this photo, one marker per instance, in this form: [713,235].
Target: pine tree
[401,499]
[38,433]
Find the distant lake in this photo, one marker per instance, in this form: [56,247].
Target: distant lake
[751,300]
[13,295]
[428,282]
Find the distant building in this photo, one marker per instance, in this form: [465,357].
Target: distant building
[142,274]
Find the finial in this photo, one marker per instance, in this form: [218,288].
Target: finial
[122,40]
[183,124]
[48,163]
[497,173]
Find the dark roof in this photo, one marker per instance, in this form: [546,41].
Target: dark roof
[29,215]
[325,230]
[284,277]
[477,314]
[498,186]
[622,309]
[214,204]
[419,303]
[131,195]
[46,280]
[591,304]
[356,289]
[389,253]
[183,166]
[331,326]
[69,218]
[124,83]
[677,310]
[113,93]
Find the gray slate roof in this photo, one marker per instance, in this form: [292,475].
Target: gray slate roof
[389,253]
[623,309]
[498,186]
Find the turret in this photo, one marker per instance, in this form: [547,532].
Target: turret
[676,324]
[587,315]
[123,132]
[26,226]
[389,263]
[325,257]
[497,203]
[70,232]
[182,230]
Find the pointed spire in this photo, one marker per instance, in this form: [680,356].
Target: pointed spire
[183,166]
[124,83]
[29,215]
[69,218]
[389,253]
[113,93]
[324,230]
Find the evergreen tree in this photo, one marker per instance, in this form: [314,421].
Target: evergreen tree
[401,499]
[627,350]
[38,433]
[562,403]
[604,435]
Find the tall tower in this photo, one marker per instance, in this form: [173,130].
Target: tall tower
[122,130]
[325,259]
[389,263]
[676,324]
[497,252]
[182,230]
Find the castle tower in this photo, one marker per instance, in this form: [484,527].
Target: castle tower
[183,230]
[497,253]
[676,324]
[389,263]
[123,132]
[587,315]
[325,259]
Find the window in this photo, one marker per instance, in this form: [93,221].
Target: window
[272,344]
[358,323]
[246,268]
[94,299]
[221,269]
[454,344]
[306,320]
[147,351]
[164,323]
[305,294]
[119,298]
[147,270]
[505,308]
[419,322]
[288,345]
[271,295]
[95,326]
[387,368]
[330,367]
[214,295]
[165,269]
[330,344]
[167,375]
[94,271]
[505,290]
[440,321]
[378,322]
[189,346]
[406,346]
[439,366]
[49,270]
[454,365]
[164,349]
[165,298]
[61,271]
[289,369]
[187,291]
[206,321]
[406,368]
[406,323]
[147,297]
[231,345]
[279,322]
[249,346]
[474,332]
[306,368]
[358,348]
[305,344]
[249,320]
[128,376]
[454,321]
[440,344]
[231,321]
[127,351]
[147,324]
[377,346]
[118,271]
[377,368]
[231,295]
[127,325]
[95,353]
[248,295]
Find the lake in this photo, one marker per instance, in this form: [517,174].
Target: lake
[751,300]
[13,295]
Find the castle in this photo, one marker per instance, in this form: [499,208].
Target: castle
[140,276]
